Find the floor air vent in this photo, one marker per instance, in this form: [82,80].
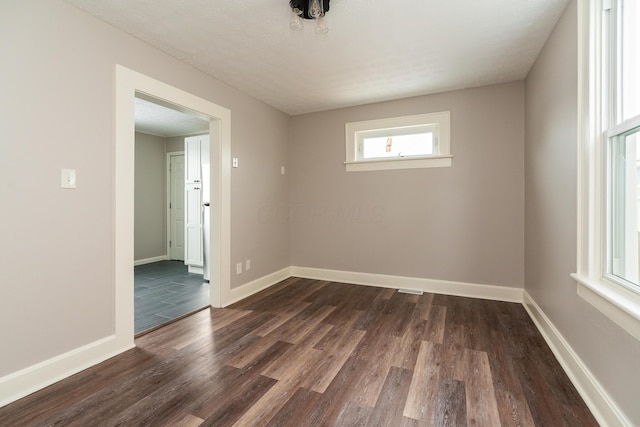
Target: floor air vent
[410,291]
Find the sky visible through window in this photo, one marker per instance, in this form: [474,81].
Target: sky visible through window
[630,59]
[420,144]
[624,168]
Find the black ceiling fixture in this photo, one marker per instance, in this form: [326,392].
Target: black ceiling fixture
[309,9]
[305,6]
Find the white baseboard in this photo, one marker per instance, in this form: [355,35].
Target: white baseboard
[491,292]
[248,289]
[602,406]
[33,378]
[150,260]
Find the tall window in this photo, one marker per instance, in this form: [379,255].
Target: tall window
[609,159]
[621,121]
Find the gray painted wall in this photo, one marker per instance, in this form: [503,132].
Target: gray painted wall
[150,221]
[57,105]
[611,354]
[463,223]
[174,143]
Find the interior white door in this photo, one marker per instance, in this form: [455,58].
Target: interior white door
[196,149]
[192,151]
[176,207]
[193,225]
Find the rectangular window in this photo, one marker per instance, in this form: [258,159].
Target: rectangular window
[397,145]
[629,59]
[621,122]
[418,141]
[624,201]
[609,157]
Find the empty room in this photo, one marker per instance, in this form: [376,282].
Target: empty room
[393,213]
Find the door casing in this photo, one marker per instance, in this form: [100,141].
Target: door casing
[128,83]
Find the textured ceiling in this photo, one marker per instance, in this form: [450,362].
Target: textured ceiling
[376,50]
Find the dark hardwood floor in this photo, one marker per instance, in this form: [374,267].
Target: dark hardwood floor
[165,291]
[314,353]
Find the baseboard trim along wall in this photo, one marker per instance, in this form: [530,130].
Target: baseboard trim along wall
[26,381]
[491,292]
[150,260]
[602,406]
[241,292]
[33,378]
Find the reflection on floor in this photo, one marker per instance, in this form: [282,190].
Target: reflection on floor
[165,291]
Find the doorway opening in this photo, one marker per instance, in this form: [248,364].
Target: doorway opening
[129,85]
[165,288]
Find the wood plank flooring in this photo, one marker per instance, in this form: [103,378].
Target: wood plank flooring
[315,353]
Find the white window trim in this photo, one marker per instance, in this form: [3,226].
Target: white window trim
[443,158]
[619,303]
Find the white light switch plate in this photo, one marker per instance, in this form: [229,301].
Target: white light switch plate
[68,178]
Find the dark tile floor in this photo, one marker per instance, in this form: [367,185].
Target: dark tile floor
[164,291]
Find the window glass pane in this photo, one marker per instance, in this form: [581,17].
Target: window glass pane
[630,37]
[625,203]
[420,144]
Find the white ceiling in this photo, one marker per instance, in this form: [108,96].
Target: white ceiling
[376,50]
[166,120]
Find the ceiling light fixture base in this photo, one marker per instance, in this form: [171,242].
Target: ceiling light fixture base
[309,9]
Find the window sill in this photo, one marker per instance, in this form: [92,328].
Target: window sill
[620,305]
[406,163]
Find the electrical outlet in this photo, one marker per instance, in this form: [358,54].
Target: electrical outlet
[239,268]
[247,265]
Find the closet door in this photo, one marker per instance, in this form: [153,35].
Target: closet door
[193,227]
[196,150]
[192,159]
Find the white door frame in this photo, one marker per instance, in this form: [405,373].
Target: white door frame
[128,82]
[168,188]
